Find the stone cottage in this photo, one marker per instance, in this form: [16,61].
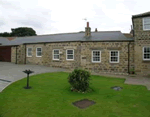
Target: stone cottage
[99,51]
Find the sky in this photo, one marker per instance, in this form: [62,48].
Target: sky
[66,16]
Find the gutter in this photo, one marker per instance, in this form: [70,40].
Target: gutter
[82,41]
[129,58]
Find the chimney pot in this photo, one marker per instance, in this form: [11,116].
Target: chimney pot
[95,29]
[87,24]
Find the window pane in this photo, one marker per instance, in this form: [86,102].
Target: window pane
[29,49]
[38,49]
[56,56]
[146,56]
[114,53]
[144,50]
[114,59]
[146,20]
[29,54]
[56,51]
[69,56]
[96,58]
[96,53]
[146,26]
[39,53]
[69,51]
[148,49]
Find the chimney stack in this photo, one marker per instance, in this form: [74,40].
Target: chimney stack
[95,29]
[87,30]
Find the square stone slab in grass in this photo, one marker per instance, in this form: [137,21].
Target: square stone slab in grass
[83,103]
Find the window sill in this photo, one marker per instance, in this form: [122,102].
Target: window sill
[114,62]
[146,60]
[28,56]
[96,62]
[38,56]
[70,60]
[56,60]
[146,29]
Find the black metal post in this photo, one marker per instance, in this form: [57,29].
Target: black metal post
[27,80]
[28,72]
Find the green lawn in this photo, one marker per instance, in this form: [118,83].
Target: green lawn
[50,96]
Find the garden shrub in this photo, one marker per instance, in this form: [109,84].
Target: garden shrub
[79,80]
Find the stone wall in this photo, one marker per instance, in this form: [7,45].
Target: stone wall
[47,59]
[82,56]
[20,54]
[142,38]
[105,65]
[13,54]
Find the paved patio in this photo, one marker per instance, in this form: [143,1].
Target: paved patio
[11,72]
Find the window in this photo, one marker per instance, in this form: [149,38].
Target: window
[55,54]
[29,52]
[69,54]
[96,56]
[146,23]
[146,53]
[38,52]
[114,56]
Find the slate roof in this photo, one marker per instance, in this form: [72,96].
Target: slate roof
[3,41]
[69,37]
[141,15]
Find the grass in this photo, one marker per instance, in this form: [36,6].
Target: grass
[50,96]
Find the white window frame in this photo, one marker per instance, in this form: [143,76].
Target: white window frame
[41,52]
[143,52]
[114,56]
[143,23]
[70,54]
[56,54]
[27,52]
[92,56]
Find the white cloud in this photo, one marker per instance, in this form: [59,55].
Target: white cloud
[60,16]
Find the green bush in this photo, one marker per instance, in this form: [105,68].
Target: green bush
[79,80]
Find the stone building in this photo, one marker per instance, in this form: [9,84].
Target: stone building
[99,51]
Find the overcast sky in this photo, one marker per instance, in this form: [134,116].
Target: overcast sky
[63,16]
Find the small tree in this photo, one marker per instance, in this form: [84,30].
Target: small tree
[79,80]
